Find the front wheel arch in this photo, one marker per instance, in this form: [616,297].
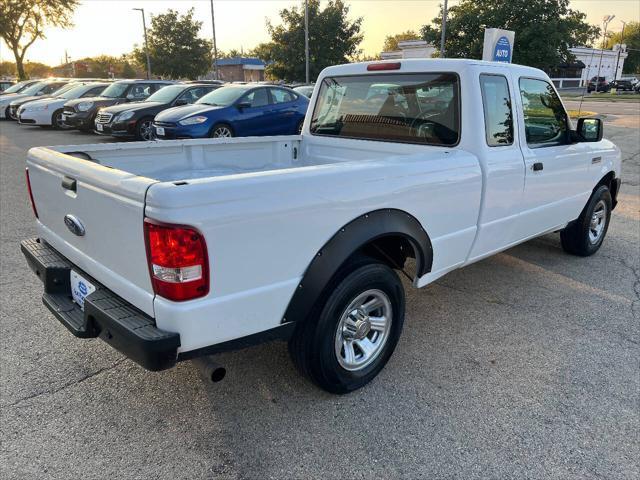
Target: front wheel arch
[219,125]
[379,233]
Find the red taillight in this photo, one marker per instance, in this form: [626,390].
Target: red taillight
[373,67]
[178,262]
[33,204]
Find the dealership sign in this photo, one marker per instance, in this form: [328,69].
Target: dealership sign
[498,45]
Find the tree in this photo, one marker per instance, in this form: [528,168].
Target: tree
[632,40]
[175,49]
[391,41]
[333,39]
[22,22]
[545,29]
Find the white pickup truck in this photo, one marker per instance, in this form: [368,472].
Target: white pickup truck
[171,250]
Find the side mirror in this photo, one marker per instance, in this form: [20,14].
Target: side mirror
[180,102]
[243,105]
[589,129]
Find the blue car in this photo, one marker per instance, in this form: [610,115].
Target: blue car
[235,111]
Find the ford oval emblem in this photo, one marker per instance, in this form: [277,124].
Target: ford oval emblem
[74,225]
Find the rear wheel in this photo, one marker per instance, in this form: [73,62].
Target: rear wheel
[584,237]
[144,129]
[351,335]
[221,131]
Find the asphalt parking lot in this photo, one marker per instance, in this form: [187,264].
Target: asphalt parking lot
[524,365]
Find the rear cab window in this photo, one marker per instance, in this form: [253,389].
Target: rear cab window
[422,108]
[498,113]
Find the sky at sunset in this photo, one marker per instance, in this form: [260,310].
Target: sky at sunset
[112,27]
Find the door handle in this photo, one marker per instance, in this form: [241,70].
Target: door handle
[69,183]
[536,167]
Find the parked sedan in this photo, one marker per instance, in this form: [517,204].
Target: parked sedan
[48,111]
[235,111]
[51,89]
[38,89]
[18,87]
[81,113]
[306,90]
[133,120]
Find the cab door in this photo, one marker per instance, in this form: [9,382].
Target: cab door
[557,181]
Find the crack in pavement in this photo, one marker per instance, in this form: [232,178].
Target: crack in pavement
[65,386]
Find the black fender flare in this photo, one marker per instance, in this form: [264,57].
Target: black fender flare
[348,240]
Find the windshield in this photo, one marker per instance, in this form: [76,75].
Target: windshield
[74,92]
[33,89]
[15,88]
[223,97]
[166,94]
[115,90]
[61,90]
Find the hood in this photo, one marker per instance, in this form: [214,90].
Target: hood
[96,100]
[7,99]
[176,114]
[133,106]
[32,98]
[42,102]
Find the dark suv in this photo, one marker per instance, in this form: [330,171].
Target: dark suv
[623,85]
[133,120]
[81,113]
[603,85]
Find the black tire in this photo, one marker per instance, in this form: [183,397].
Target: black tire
[216,131]
[56,121]
[313,344]
[144,130]
[7,116]
[578,237]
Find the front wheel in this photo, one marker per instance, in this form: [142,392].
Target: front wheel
[584,237]
[221,131]
[352,334]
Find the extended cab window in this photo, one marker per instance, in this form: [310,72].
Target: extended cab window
[412,108]
[496,102]
[545,120]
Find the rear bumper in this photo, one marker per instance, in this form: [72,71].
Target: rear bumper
[105,314]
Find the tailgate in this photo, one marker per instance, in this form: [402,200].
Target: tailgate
[109,206]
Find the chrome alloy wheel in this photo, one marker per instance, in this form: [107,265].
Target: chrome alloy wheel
[146,130]
[222,132]
[598,222]
[363,330]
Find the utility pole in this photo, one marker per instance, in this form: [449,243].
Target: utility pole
[605,22]
[215,47]
[306,41]
[444,29]
[624,24]
[146,46]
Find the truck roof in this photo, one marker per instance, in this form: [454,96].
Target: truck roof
[411,65]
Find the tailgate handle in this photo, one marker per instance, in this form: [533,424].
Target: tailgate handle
[69,183]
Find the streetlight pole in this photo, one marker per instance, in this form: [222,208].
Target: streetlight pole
[444,29]
[215,47]
[306,41]
[146,46]
[605,22]
[624,24]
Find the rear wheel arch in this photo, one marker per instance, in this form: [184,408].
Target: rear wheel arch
[389,235]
